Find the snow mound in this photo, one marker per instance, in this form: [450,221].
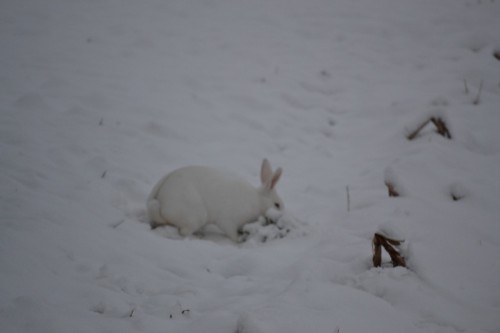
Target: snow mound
[274,225]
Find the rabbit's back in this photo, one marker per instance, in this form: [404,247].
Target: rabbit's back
[207,195]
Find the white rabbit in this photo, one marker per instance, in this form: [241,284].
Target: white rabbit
[191,197]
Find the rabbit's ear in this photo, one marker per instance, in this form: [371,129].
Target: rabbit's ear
[276,177]
[265,173]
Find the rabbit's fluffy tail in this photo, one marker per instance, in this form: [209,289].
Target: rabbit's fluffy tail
[154,216]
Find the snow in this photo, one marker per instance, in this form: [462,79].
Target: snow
[100,99]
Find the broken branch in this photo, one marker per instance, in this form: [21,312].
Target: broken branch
[392,190]
[441,127]
[380,241]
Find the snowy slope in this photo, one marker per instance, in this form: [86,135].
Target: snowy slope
[100,99]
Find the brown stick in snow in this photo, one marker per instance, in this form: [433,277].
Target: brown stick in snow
[380,241]
[392,190]
[441,127]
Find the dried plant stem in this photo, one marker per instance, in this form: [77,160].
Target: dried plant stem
[348,199]
[380,241]
[441,127]
[413,134]
[117,224]
[391,189]
[477,100]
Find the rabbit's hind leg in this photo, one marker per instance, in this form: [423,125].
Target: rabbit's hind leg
[230,229]
[188,222]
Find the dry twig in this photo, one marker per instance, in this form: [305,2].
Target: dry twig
[391,189]
[380,241]
[348,199]
[441,127]
[477,100]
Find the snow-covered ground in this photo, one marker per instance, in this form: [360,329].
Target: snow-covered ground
[99,99]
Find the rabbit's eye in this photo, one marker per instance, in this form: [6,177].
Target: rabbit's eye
[277,205]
